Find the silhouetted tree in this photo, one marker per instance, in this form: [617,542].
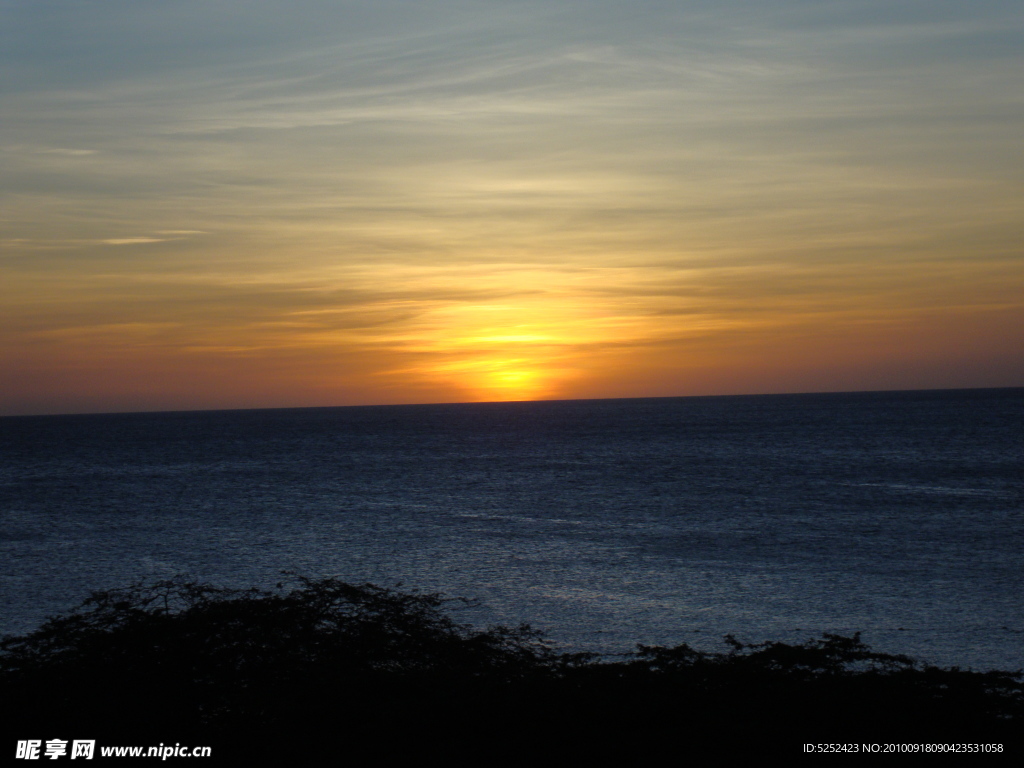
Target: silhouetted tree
[179,659]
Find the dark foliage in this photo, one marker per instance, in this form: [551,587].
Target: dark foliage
[316,659]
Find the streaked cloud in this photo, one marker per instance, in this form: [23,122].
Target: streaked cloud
[133,240]
[68,152]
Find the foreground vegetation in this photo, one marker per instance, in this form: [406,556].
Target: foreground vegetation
[315,663]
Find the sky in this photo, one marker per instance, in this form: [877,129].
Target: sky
[226,204]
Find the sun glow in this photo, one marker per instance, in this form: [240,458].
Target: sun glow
[486,378]
[506,381]
[531,342]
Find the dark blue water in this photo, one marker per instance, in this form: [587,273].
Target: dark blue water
[606,523]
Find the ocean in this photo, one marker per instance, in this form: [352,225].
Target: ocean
[605,523]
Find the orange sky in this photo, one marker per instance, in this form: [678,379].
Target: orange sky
[468,203]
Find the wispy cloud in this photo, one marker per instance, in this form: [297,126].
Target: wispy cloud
[132,240]
[68,152]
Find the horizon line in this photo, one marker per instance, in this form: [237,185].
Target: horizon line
[504,402]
